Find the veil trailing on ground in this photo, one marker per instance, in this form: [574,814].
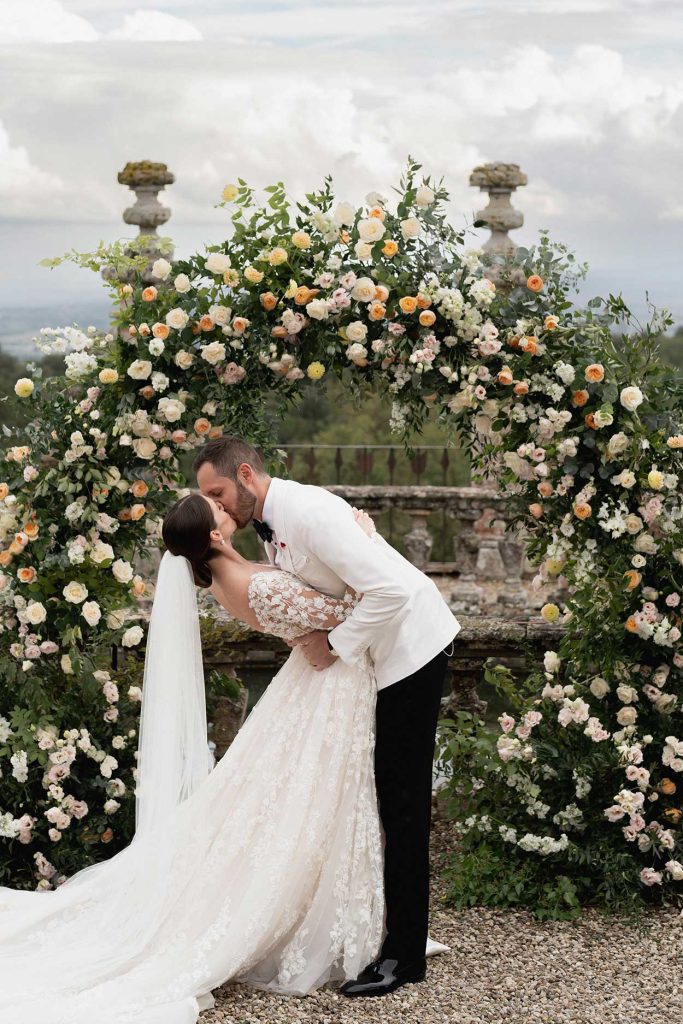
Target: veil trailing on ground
[173,753]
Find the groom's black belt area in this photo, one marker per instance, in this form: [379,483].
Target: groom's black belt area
[263,529]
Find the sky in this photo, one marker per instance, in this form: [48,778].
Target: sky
[585,95]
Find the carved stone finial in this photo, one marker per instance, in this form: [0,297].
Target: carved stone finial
[500,180]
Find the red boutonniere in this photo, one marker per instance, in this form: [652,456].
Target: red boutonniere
[282,544]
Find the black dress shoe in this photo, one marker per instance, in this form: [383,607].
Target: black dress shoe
[383,976]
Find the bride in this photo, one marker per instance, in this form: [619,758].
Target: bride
[265,870]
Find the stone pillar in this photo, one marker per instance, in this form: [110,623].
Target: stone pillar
[419,541]
[146,179]
[500,181]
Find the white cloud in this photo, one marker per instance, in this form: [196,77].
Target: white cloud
[25,189]
[42,21]
[155,26]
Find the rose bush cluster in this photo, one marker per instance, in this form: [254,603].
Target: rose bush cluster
[583,436]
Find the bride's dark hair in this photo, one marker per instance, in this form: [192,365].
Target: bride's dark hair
[186,530]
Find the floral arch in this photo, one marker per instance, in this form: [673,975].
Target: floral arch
[584,437]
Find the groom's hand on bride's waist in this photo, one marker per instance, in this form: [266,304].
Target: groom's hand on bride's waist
[315,648]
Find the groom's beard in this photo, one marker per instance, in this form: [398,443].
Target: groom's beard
[243,512]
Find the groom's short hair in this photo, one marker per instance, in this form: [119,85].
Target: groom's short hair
[225,454]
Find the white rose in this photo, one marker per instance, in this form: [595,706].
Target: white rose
[170,409]
[161,268]
[35,613]
[220,314]
[91,612]
[411,228]
[132,636]
[75,592]
[645,543]
[182,283]
[364,289]
[214,352]
[631,397]
[371,229]
[363,250]
[101,552]
[424,196]
[317,309]
[144,447]
[177,318]
[184,359]
[633,523]
[116,618]
[156,346]
[140,369]
[627,716]
[159,381]
[599,687]
[123,571]
[344,214]
[357,353]
[217,263]
[356,331]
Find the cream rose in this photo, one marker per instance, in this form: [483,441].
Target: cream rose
[364,289]
[344,214]
[91,612]
[144,447]
[363,250]
[631,397]
[301,239]
[140,369]
[371,229]
[183,359]
[35,613]
[170,409]
[253,275]
[220,314]
[277,256]
[132,636]
[317,309]
[182,283]
[356,331]
[75,592]
[101,552]
[655,479]
[217,263]
[411,228]
[122,570]
[161,268]
[424,196]
[177,318]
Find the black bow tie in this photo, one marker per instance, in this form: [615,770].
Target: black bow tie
[263,529]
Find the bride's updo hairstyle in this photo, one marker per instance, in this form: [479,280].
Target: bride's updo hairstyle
[186,530]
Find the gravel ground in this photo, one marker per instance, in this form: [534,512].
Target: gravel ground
[504,967]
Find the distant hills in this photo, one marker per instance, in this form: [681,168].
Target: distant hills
[19,324]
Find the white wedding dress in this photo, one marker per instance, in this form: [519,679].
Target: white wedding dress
[270,873]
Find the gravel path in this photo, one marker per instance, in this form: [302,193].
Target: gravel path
[505,968]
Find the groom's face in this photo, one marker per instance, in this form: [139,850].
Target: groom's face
[235,496]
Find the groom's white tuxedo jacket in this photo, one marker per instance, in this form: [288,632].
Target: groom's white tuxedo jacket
[401,619]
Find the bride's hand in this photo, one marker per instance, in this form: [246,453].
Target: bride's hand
[366,522]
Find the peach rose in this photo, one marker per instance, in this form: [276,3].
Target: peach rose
[161,331]
[147,391]
[124,515]
[633,578]
[582,510]
[240,324]
[196,329]
[214,433]
[179,436]
[672,814]
[27,574]
[545,489]
[529,344]
[551,322]
[31,530]
[4,491]
[377,310]
[139,488]
[580,398]
[138,586]
[5,558]
[268,300]
[279,331]
[206,323]
[381,293]
[231,277]
[202,425]
[521,388]
[377,211]
[390,248]
[534,283]
[536,509]
[667,786]
[137,512]
[107,835]
[676,441]
[423,301]
[505,375]
[408,303]
[427,317]
[594,373]
[513,342]
[589,420]
[149,294]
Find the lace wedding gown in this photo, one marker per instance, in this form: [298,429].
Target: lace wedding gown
[271,873]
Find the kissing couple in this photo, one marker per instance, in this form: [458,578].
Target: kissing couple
[302,857]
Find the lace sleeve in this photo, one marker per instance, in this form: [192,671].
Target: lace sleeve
[286,607]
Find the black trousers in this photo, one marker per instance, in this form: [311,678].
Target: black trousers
[407,713]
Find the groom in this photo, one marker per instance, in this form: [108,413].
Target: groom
[406,627]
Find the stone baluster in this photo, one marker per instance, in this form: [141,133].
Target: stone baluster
[499,180]
[419,540]
[146,179]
